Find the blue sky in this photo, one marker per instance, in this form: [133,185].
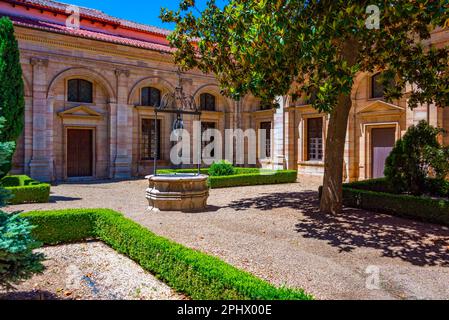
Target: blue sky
[143,11]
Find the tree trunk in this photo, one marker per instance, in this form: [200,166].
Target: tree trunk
[332,196]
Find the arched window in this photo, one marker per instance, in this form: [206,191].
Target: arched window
[151,97]
[207,102]
[80,90]
[377,88]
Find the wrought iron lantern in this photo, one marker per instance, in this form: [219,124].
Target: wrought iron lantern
[179,103]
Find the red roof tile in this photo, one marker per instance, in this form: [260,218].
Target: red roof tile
[93,13]
[95,35]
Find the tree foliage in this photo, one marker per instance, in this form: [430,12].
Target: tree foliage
[12,103]
[416,157]
[272,48]
[17,259]
[316,48]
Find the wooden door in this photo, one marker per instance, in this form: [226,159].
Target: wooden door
[79,153]
[383,140]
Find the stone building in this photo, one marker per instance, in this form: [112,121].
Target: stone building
[90,89]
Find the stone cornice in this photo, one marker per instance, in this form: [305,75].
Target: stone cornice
[100,50]
[103,47]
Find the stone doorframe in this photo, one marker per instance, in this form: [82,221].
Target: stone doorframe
[259,117]
[366,151]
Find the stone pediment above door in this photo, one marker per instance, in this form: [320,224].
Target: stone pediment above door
[81,112]
[380,107]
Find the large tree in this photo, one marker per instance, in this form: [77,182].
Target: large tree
[316,48]
[12,103]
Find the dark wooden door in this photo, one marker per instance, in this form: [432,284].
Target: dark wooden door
[79,153]
[383,140]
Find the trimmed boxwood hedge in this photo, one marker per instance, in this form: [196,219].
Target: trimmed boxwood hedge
[205,171]
[26,190]
[244,177]
[285,176]
[376,185]
[420,208]
[198,275]
[376,195]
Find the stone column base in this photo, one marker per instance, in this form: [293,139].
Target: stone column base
[122,166]
[279,163]
[41,170]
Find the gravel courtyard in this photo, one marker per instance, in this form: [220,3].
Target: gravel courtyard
[276,233]
[90,271]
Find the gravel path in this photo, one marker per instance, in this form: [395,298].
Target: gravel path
[276,233]
[88,271]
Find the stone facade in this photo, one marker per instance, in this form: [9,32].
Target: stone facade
[120,58]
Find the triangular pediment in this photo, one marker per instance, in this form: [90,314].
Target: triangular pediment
[80,112]
[380,106]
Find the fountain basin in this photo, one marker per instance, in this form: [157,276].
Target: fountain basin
[177,192]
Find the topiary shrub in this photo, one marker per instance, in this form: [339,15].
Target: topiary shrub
[415,158]
[25,190]
[220,169]
[37,193]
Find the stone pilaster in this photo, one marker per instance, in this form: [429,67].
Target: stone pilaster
[278,136]
[28,134]
[123,128]
[41,164]
[290,140]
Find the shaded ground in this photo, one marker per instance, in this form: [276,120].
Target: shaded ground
[277,233]
[87,271]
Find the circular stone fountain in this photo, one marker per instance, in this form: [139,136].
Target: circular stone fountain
[177,192]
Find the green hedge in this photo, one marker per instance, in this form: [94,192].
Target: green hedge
[26,190]
[188,271]
[420,208]
[377,185]
[18,181]
[205,171]
[72,225]
[285,176]
[244,177]
[375,195]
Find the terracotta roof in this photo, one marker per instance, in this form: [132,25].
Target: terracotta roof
[95,14]
[95,35]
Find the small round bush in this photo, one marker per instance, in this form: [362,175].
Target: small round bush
[222,168]
[415,159]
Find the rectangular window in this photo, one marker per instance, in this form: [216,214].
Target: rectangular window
[150,141]
[151,97]
[205,126]
[207,102]
[315,139]
[80,90]
[267,127]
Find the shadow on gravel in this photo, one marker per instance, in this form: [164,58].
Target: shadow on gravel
[30,295]
[418,243]
[56,199]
